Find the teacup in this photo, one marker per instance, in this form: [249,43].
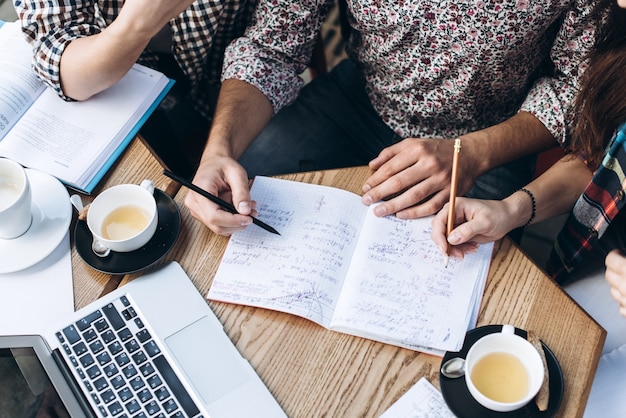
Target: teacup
[123,218]
[15,200]
[503,371]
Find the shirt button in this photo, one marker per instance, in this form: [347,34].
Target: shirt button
[620,194]
[593,233]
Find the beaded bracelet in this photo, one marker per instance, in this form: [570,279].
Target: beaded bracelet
[534,205]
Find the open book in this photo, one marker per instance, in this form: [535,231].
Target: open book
[77,142]
[340,266]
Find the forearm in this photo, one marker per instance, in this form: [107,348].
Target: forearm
[242,112]
[521,135]
[555,192]
[93,63]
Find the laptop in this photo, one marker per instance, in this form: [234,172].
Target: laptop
[151,348]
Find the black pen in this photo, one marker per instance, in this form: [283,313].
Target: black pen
[217,200]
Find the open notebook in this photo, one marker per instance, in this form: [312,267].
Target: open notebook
[339,265]
[151,348]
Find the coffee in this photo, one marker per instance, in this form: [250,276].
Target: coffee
[124,222]
[501,377]
[9,192]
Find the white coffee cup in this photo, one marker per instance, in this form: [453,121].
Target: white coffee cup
[503,371]
[124,218]
[15,200]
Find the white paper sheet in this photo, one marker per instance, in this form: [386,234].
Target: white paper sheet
[33,299]
[423,400]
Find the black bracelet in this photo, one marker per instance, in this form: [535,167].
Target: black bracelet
[534,205]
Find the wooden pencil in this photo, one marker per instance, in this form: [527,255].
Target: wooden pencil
[453,186]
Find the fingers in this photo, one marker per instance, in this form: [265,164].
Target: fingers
[237,180]
[384,156]
[477,221]
[424,196]
[390,162]
[458,247]
[439,226]
[401,173]
[616,277]
[414,178]
[226,179]
[470,228]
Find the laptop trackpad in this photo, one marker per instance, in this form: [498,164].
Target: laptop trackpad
[209,359]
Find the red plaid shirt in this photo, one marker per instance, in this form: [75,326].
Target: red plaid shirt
[594,211]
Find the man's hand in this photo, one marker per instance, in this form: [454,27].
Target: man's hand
[417,173]
[223,177]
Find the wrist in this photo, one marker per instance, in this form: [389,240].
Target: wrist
[129,28]
[474,146]
[522,208]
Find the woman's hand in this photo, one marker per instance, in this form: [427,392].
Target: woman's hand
[477,221]
[616,277]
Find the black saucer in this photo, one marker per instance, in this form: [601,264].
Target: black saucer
[463,405]
[133,261]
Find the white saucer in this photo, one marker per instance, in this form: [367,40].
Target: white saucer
[52,214]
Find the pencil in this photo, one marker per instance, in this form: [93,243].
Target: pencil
[453,184]
[217,200]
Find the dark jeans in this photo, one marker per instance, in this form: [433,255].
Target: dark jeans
[332,124]
[176,132]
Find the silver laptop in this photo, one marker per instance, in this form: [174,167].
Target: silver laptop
[151,348]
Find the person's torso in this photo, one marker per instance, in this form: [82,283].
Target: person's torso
[453,66]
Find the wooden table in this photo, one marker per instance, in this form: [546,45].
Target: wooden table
[313,372]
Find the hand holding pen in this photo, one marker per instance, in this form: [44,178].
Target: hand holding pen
[223,204]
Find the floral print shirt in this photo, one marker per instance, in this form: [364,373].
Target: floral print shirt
[433,67]
[199,36]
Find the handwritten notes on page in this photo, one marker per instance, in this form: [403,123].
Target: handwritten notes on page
[338,265]
[423,400]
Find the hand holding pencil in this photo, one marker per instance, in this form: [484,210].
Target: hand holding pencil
[463,223]
[453,188]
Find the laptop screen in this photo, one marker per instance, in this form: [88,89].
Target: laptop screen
[27,390]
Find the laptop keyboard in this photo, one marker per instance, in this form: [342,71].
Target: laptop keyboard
[122,368]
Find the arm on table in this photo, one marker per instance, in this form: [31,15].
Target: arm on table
[420,169]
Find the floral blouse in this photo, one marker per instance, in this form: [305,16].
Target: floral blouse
[431,68]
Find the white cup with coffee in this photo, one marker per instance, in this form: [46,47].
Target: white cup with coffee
[503,371]
[124,218]
[15,200]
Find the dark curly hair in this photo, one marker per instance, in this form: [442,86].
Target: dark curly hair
[600,105]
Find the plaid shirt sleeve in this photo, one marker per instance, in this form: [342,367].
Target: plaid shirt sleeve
[594,211]
[50,27]
[551,98]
